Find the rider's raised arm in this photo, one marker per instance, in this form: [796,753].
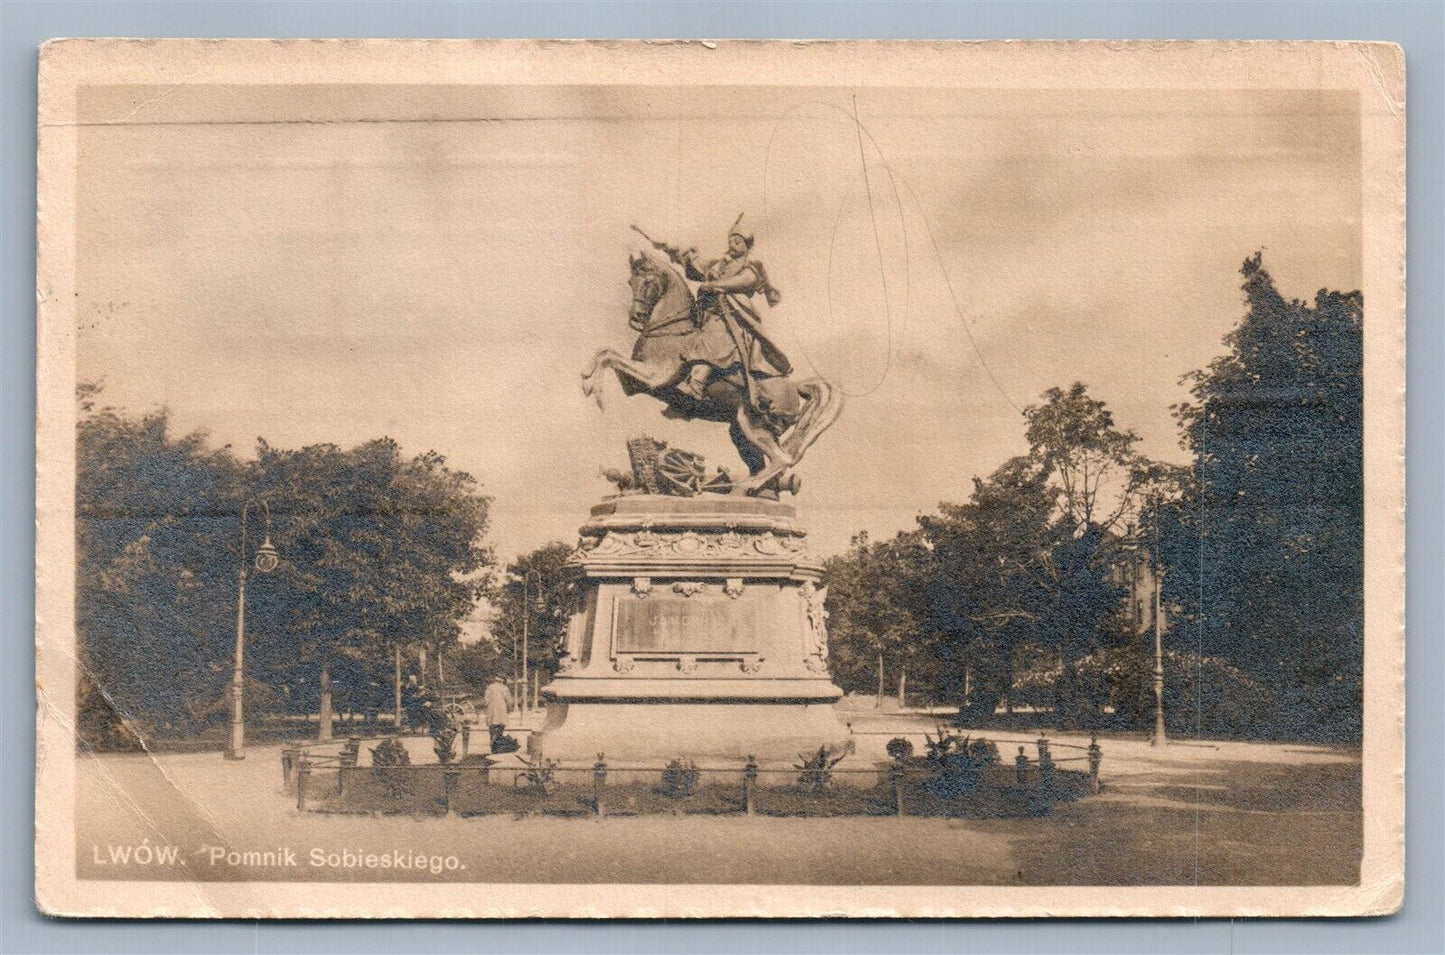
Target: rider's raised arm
[688,261]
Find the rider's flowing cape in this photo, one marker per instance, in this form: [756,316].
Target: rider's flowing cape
[740,311]
[745,328]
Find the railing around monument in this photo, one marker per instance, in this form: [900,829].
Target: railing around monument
[315,776]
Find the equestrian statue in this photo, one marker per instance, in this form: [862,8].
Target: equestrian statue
[706,357]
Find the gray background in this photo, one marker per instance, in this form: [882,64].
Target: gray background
[1418,27]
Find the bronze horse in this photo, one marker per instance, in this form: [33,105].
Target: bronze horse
[770,437]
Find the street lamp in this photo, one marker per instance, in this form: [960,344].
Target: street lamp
[526,617]
[266,561]
[1156,573]
[1157,566]
[524,661]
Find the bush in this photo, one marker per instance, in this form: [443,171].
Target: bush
[958,762]
[817,770]
[387,758]
[539,775]
[1203,695]
[899,748]
[680,779]
[1209,696]
[444,742]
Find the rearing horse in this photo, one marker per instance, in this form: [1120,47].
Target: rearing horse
[771,438]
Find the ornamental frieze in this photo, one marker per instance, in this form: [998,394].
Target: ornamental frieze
[729,545]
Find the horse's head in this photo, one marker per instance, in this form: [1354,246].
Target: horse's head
[648,282]
[653,283]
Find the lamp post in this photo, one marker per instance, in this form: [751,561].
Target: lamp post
[530,592]
[1156,573]
[526,617]
[266,561]
[1157,567]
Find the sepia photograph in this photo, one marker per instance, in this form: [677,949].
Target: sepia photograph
[620,479]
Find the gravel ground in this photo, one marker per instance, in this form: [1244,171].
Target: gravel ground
[1227,813]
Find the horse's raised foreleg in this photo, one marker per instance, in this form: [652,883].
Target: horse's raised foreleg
[649,377]
[589,375]
[591,386]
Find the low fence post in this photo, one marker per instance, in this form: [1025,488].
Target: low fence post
[288,764]
[350,756]
[303,772]
[1096,756]
[1046,763]
[750,782]
[1021,768]
[450,778]
[895,777]
[599,781]
[466,739]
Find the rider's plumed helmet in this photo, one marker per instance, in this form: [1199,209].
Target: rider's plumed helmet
[740,232]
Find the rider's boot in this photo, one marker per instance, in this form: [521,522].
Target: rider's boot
[695,383]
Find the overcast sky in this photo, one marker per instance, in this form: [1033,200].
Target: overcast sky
[277,262]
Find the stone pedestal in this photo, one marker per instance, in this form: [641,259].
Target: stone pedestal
[700,634]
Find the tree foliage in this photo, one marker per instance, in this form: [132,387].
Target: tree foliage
[376,549]
[536,589]
[1026,561]
[878,600]
[1091,461]
[1267,552]
[988,559]
[155,579]
[1259,543]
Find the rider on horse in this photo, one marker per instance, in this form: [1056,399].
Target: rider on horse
[729,329]
[704,355]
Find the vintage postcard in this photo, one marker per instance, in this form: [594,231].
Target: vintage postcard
[740,479]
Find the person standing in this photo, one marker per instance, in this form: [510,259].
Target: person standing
[496,704]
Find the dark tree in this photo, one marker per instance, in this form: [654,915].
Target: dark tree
[155,575]
[1090,461]
[472,666]
[1101,482]
[539,590]
[877,594]
[378,551]
[988,556]
[1268,553]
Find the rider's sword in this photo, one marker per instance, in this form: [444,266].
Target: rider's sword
[655,244]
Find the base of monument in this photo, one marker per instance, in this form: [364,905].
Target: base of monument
[656,732]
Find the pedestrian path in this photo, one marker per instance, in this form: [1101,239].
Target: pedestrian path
[1269,813]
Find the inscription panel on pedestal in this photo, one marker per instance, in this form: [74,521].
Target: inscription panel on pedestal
[691,625]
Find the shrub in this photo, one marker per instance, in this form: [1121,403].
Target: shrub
[444,742]
[958,762]
[1203,695]
[900,749]
[539,775]
[387,760]
[817,770]
[680,778]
